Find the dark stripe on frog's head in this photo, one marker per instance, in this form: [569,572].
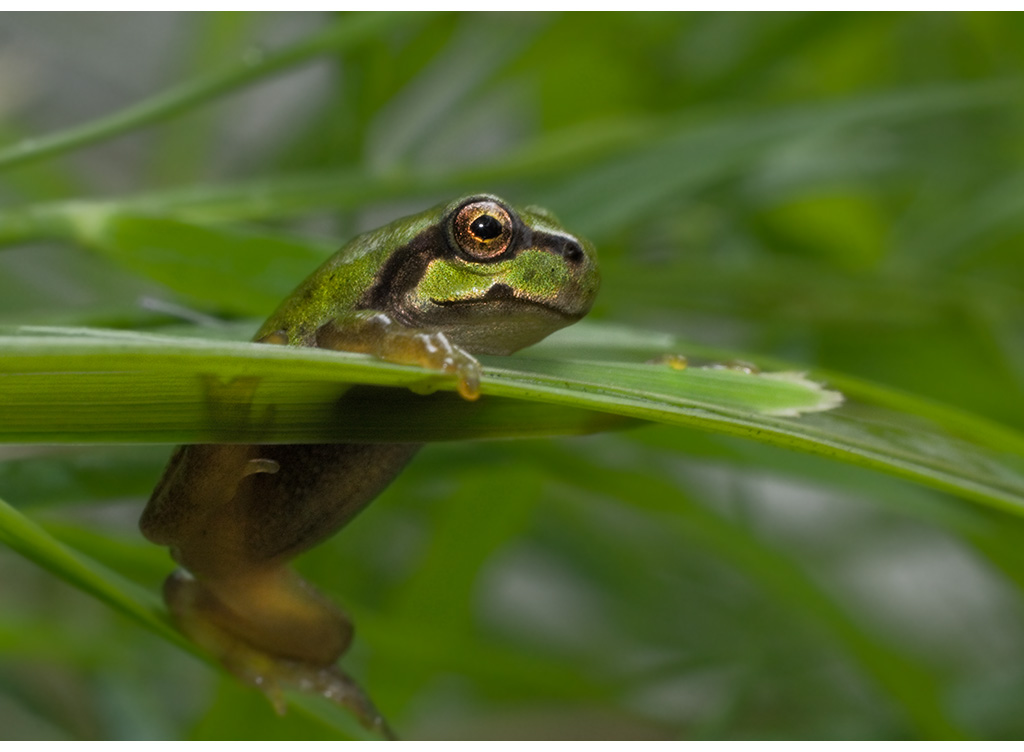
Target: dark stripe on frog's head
[403,271]
[407,265]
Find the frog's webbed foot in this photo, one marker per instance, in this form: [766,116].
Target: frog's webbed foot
[274,632]
[378,335]
[335,685]
[273,676]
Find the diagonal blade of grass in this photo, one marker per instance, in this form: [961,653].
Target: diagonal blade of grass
[35,544]
[251,68]
[666,154]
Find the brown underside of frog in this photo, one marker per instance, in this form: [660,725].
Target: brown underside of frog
[233,516]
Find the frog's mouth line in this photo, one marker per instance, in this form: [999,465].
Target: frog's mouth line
[504,297]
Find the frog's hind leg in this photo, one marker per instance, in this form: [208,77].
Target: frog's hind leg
[273,631]
[274,611]
[234,516]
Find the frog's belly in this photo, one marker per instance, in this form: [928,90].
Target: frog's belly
[221,519]
[316,491]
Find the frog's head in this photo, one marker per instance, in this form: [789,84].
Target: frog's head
[492,277]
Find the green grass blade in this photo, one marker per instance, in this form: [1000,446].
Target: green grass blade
[252,68]
[664,154]
[81,385]
[35,544]
[96,385]
[142,606]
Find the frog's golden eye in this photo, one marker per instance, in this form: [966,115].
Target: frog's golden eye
[483,229]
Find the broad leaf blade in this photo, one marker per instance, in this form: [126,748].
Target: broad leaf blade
[82,385]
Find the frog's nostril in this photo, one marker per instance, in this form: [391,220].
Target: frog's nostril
[572,252]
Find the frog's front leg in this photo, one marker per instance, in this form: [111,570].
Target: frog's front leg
[380,335]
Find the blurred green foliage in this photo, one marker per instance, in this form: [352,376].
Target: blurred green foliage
[842,191]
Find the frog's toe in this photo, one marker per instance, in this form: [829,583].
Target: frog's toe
[273,633]
[338,687]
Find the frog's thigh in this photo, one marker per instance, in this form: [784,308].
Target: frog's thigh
[241,596]
[271,612]
[315,491]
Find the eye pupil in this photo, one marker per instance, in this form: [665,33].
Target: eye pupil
[482,229]
[485,227]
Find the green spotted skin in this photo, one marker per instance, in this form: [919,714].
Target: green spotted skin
[413,270]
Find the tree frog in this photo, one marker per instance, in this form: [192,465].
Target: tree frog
[473,276]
